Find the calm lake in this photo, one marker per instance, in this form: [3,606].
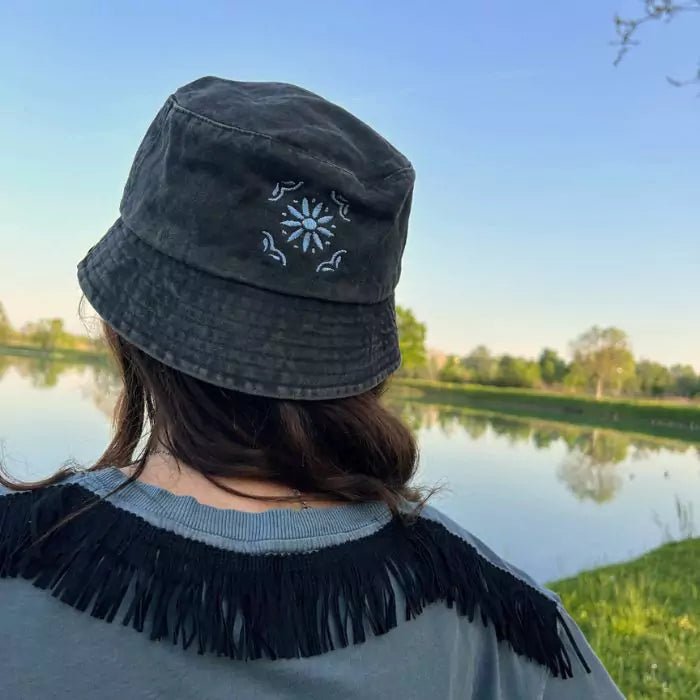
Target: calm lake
[552,498]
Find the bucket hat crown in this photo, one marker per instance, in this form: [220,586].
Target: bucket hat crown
[259,243]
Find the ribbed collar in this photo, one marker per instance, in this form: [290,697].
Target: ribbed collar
[280,530]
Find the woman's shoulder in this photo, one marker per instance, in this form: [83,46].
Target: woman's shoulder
[359,570]
[477,547]
[528,617]
[483,586]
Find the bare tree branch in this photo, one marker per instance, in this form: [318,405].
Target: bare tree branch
[654,11]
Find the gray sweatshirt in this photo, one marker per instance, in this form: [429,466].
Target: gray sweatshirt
[148,595]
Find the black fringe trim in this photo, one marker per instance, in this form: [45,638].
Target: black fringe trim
[246,606]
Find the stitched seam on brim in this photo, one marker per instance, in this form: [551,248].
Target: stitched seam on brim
[386,346]
[146,341]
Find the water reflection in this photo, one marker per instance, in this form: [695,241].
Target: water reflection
[549,478]
[589,467]
[103,389]
[100,382]
[42,373]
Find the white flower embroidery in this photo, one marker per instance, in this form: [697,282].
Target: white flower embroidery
[309,225]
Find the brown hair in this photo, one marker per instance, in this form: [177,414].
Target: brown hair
[349,449]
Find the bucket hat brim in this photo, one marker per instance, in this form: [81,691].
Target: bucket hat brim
[236,335]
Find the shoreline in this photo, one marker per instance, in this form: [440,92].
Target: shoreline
[664,419]
[55,355]
[668,419]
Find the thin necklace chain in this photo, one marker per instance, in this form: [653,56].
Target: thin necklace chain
[303,504]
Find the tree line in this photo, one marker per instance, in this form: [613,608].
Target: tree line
[46,334]
[601,363]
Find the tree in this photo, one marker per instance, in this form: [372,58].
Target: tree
[653,378]
[411,341]
[454,371]
[602,360]
[436,361]
[47,333]
[5,326]
[552,367]
[518,372]
[685,381]
[653,11]
[482,365]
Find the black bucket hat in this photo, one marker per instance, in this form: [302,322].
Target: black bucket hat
[259,243]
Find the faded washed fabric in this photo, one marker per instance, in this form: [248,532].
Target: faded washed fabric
[51,650]
[259,243]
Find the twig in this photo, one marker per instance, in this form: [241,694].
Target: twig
[654,10]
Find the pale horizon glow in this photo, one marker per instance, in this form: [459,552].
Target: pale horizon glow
[554,191]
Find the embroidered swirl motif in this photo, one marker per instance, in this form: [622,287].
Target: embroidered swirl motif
[332,264]
[282,187]
[269,248]
[343,205]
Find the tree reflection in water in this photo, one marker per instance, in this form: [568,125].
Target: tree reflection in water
[590,468]
[99,380]
[104,389]
[42,373]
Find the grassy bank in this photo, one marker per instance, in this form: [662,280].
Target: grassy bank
[662,418]
[643,620]
[58,354]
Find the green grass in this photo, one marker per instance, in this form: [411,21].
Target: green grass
[57,354]
[643,620]
[678,420]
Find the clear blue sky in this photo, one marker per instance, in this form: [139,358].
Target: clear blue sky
[554,191]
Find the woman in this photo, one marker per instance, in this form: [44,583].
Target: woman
[255,505]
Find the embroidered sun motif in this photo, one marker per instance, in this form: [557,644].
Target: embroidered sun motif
[309,225]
